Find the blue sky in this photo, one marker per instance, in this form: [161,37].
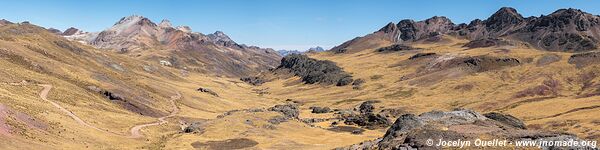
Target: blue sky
[279,24]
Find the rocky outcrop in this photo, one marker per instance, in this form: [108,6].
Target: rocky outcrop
[480,63]
[395,48]
[506,119]
[315,71]
[288,110]
[358,83]
[206,90]
[320,110]
[410,131]
[365,117]
[253,80]
[220,38]
[366,107]
[421,55]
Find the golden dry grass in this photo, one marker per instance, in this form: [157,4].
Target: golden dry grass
[71,72]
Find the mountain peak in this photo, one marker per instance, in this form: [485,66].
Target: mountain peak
[219,33]
[438,20]
[503,18]
[389,28]
[570,12]
[5,22]
[129,19]
[221,38]
[506,14]
[70,31]
[165,24]
[185,29]
[134,20]
[316,49]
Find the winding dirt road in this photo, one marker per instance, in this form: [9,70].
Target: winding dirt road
[135,131]
[44,96]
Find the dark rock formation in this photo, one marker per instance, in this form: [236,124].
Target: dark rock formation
[476,63]
[320,110]
[277,119]
[410,30]
[366,107]
[357,83]
[109,95]
[253,80]
[315,71]
[365,118]
[368,120]
[421,55]
[570,30]
[70,31]
[288,110]
[412,132]
[506,119]
[395,48]
[191,127]
[206,90]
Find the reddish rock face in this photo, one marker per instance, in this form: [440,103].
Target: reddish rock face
[213,53]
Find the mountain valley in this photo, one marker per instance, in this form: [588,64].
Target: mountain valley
[143,85]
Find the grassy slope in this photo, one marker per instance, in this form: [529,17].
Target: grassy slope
[29,53]
[492,90]
[70,72]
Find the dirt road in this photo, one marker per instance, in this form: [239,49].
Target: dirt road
[135,131]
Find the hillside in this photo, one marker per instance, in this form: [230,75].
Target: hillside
[142,85]
[180,47]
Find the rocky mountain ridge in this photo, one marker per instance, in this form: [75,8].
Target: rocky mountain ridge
[179,47]
[284,52]
[570,30]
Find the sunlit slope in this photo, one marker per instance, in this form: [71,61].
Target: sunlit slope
[555,96]
[30,56]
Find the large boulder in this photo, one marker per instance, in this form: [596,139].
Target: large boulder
[320,110]
[288,110]
[206,90]
[366,107]
[315,71]
[506,119]
[410,131]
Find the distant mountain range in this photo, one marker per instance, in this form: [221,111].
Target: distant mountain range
[312,49]
[178,46]
[563,30]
